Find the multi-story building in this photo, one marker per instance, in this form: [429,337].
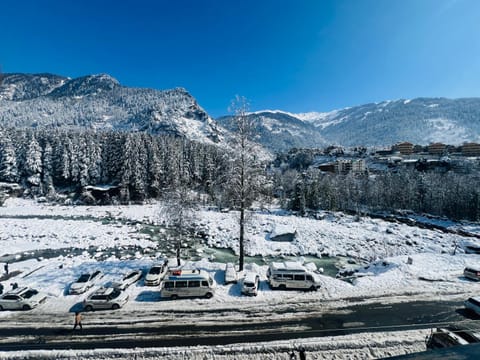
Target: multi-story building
[471,149]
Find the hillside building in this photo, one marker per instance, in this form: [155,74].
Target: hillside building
[471,149]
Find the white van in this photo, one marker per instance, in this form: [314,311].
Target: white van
[291,275]
[187,283]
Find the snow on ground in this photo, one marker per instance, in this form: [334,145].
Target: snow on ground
[404,261]
[354,347]
[26,226]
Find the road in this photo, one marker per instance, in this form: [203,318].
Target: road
[220,328]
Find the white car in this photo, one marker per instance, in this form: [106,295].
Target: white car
[23,298]
[250,284]
[131,278]
[473,304]
[105,298]
[156,273]
[230,274]
[85,282]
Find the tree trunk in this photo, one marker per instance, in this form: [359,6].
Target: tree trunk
[178,253]
[242,233]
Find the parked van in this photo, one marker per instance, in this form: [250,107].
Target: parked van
[250,284]
[291,275]
[187,283]
[472,273]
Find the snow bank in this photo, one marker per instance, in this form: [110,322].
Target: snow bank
[357,346]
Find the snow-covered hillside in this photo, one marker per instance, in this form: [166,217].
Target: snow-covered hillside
[100,102]
[420,121]
[407,263]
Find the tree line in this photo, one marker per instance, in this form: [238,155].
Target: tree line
[142,166]
[456,196]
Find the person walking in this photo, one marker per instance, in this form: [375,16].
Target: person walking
[303,356]
[6,268]
[78,320]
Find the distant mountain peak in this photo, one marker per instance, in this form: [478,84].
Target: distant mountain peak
[100,102]
[86,85]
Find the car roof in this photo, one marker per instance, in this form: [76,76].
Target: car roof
[103,291]
[17,291]
[473,268]
[250,276]
[287,266]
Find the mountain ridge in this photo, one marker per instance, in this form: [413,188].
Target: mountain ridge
[420,121]
[101,102]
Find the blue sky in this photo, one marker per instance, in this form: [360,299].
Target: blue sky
[296,56]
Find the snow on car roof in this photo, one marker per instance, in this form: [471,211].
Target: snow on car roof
[250,277]
[287,265]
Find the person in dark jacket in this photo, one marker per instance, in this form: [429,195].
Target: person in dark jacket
[303,356]
[6,268]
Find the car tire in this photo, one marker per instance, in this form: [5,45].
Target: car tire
[282,287]
[174,297]
[26,307]
[208,295]
[88,308]
[115,307]
[312,288]
[1,308]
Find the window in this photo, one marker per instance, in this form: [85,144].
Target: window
[99,297]
[155,270]
[309,277]
[10,297]
[474,301]
[168,284]
[195,283]
[84,278]
[30,293]
[299,277]
[181,284]
[205,283]
[115,293]
[288,276]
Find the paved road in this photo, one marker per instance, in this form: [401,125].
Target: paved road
[360,318]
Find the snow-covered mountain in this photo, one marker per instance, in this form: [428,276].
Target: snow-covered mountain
[101,102]
[420,121]
[281,131]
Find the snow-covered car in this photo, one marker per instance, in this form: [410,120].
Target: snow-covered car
[250,284]
[472,273]
[85,282]
[23,298]
[230,274]
[131,278]
[473,304]
[105,298]
[156,273]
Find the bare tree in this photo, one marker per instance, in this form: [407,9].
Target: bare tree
[244,175]
[177,214]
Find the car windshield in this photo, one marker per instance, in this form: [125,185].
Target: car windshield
[154,270]
[83,278]
[29,294]
[114,294]
[248,284]
[129,276]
